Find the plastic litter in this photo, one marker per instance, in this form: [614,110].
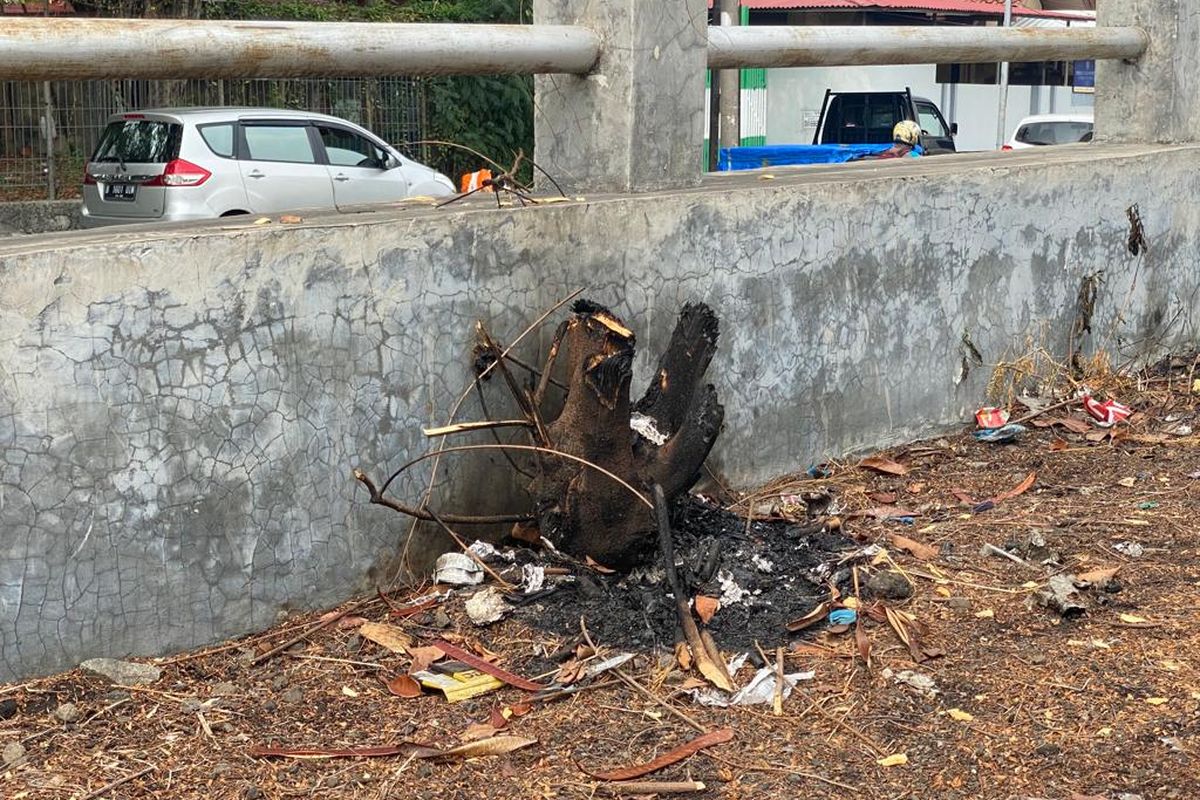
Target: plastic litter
[990,417]
[487,606]
[457,569]
[1130,548]
[533,578]
[759,691]
[647,428]
[460,684]
[1062,596]
[1006,433]
[1108,413]
[818,471]
[843,616]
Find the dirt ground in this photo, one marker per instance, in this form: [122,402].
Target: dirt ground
[1028,703]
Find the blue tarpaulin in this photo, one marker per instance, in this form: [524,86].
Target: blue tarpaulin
[734,158]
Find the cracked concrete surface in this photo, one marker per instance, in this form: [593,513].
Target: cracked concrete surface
[180,408]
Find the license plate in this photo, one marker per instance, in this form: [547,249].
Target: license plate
[120,191]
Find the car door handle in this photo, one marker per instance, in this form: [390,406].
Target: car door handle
[255,174]
[341,177]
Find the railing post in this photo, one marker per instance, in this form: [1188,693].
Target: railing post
[1157,97]
[636,123]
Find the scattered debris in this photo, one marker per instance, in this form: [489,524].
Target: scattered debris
[457,569]
[638,788]
[487,606]
[1062,596]
[890,585]
[456,683]
[122,673]
[895,760]
[1130,548]
[1106,414]
[884,465]
[990,417]
[761,690]
[917,680]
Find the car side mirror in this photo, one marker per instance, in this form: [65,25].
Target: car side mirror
[391,163]
[954,129]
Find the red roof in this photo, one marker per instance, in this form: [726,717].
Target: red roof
[989,7]
[39,9]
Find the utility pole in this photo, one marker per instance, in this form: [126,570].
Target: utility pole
[1002,122]
[730,84]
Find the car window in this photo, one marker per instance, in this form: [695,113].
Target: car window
[219,138]
[279,143]
[1058,132]
[139,141]
[930,122]
[348,149]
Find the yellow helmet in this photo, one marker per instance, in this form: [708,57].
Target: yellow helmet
[906,132]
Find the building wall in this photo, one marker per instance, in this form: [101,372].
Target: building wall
[180,408]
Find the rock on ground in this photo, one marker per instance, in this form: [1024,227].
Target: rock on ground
[123,673]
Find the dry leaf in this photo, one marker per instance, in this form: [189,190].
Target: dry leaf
[884,465]
[683,655]
[916,487]
[290,219]
[422,657]
[666,759]
[404,686]
[1133,619]
[886,498]
[863,644]
[348,692]
[987,613]
[496,746]
[387,636]
[603,570]
[894,760]
[922,551]
[1098,575]
[811,618]
[1058,445]
[942,591]
[1156,701]
[1020,488]
[349,622]
[498,718]
[1127,482]
[964,496]
[479,730]
[263,221]
[959,715]
[706,607]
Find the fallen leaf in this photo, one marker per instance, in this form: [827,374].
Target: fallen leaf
[916,487]
[1098,575]
[526,532]
[863,644]
[959,715]
[1157,701]
[964,496]
[1127,482]
[1098,436]
[495,746]
[349,622]
[290,219]
[942,591]
[705,607]
[886,512]
[683,655]
[886,498]
[811,618]
[404,686]
[894,760]
[263,221]
[922,551]
[987,613]
[603,570]
[387,636]
[1058,445]
[348,692]
[1133,619]
[1100,644]
[1019,489]
[884,465]
[479,730]
[422,657]
[666,759]
[1170,666]
[498,718]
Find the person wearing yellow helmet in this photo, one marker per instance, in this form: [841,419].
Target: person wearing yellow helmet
[906,141]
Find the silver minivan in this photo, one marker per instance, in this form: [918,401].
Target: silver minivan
[201,163]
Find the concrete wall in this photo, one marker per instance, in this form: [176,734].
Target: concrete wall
[39,216]
[180,410]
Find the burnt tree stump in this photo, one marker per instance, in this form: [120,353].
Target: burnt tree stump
[661,439]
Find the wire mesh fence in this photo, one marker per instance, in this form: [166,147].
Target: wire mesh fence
[48,130]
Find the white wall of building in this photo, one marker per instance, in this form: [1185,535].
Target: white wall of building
[794,98]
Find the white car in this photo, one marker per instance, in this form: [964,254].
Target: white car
[1042,129]
[201,163]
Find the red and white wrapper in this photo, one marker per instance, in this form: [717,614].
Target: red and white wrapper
[1108,413]
[990,417]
